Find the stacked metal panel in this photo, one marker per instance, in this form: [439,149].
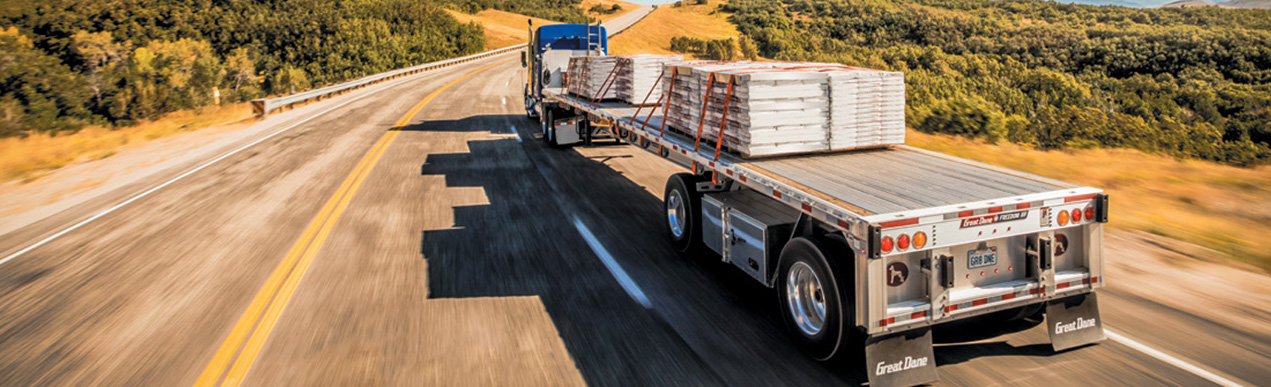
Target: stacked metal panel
[637,75]
[588,75]
[787,108]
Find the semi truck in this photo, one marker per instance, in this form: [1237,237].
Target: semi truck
[864,248]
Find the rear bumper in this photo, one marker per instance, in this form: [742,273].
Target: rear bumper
[980,301]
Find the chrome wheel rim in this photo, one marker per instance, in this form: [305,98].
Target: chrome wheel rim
[675,215]
[806,299]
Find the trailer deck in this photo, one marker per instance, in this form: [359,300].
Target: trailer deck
[852,184]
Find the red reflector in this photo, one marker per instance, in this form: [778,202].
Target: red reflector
[1094,280]
[743,179]
[950,308]
[843,223]
[964,214]
[1034,291]
[806,207]
[729,172]
[888,321]
[776,194]
[994,210]
[1078,198]
[979,302]
[1022,206]
[918,315]
[1008,296]
[1085,281]
[887,244]
[1062,285]
[899,223]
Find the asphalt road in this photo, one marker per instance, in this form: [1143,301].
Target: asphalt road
[463,252]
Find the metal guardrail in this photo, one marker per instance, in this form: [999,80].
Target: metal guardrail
[262,107]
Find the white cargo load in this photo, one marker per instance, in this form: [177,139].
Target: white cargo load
[778,108]
[588,76]
[637,76]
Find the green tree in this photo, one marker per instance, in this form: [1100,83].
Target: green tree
[240,70]
[290,79]
[970,116]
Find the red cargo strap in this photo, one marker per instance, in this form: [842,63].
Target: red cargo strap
[646,97]
[666,111]
[611,79]
[701,121]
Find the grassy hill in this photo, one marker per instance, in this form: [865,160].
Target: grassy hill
[501,28]
[504,28]
[653,34]
[625,7]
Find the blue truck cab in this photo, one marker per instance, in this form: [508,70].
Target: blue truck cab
[546,59]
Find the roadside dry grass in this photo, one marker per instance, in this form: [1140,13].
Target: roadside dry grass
[626,7]
[502,29]
[28,158]
[1211,205]
[653,34]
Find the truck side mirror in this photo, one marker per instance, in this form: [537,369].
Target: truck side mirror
[523,62]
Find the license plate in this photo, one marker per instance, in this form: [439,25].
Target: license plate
[981,258]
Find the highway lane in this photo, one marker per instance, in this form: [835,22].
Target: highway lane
[143,295]
[459,262]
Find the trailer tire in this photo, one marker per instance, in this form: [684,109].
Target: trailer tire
[813,306]
[683,205]
[549,116]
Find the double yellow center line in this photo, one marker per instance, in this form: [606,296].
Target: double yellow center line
[263,312]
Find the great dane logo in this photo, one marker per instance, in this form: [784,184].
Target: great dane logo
[897,273]
[1061,244]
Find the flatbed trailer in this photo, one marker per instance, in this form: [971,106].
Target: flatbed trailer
[993,242]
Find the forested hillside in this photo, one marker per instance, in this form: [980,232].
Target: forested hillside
[565,11]
[1190,82]
[68,63]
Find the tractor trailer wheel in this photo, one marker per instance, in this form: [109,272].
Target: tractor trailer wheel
[683,212]
[549,126]
[816,310]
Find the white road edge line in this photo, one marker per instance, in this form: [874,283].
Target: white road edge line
[1162,356]
[623,279]
[191,172]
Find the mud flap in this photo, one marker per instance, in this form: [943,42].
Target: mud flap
[1074,321]
[902,359]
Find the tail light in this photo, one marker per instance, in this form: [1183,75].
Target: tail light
[920,240]
[1076,215]
[1090,213]
[903,242]
[1063,218]
[887,244]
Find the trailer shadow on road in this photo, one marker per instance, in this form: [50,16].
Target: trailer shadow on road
[709,324]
